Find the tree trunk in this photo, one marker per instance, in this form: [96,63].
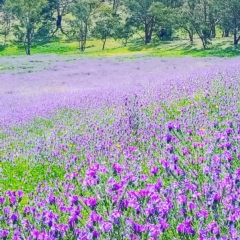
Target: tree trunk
[225,33]
[190,34]
[125,42]
[236,39]
[59,25]
[59,21]
[147,35]
[213,32]
[115,5]
[104,42]
[147,38]
[85,37]
[28,47]
[5,37]
[203,39]
[148,31]
[83,45]
[203,42]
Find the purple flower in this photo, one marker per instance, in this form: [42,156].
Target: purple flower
[163,224]
[2,200]
[185,227]
[7,210]
[35,233]
[158,185]
[74,200]
[233,233]
[72,221]
[14,218]
[138,228]
[143,193]
[202,213]
[229,131]
[227,155]
[107,226]
[165,163]
[154,231]
[81,234]
[51,199]
[217,197]
[90,202]
[214,228]
[117,186]
[154,170]
[181,199]
[170,148]
[191,205]
[117,168]
[26,210]
[4,233]
[20,194]
[114,216]
[185,151]
[170,126]
[95,234]
[12,200]
[169,138]
[94,217]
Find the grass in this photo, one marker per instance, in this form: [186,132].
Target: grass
[219,47]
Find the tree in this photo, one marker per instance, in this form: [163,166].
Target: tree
[184,18]
[5,21]
[28,14]
[165,16]
[200,16]
[55,10]
[230,22]
[106,24]
[140,14]
[124,31]
[115,4]
[82,11]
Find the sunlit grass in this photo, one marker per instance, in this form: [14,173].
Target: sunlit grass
[219,47]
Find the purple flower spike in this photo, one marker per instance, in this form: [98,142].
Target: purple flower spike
[2,200]
[90,202]
[20,194]
[107,226]
[4,233]
[14,218]
[185,227]
[154,170]
[35,234]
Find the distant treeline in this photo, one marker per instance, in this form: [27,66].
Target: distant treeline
[36,20]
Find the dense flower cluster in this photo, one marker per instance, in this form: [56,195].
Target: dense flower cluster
[163,162]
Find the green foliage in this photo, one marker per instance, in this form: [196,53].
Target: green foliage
[230,17]
[124,31]
[28,14]
[106,25]
[82,11]
[35,22]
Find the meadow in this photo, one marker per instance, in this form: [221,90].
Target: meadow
[119,148]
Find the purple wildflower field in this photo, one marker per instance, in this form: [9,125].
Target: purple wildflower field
[119,148]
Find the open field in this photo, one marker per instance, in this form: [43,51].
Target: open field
[125,147]
[51,79]
[221,47]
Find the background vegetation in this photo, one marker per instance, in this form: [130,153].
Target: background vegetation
[66,25]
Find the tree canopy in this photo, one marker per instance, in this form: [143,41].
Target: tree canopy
[33,20]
